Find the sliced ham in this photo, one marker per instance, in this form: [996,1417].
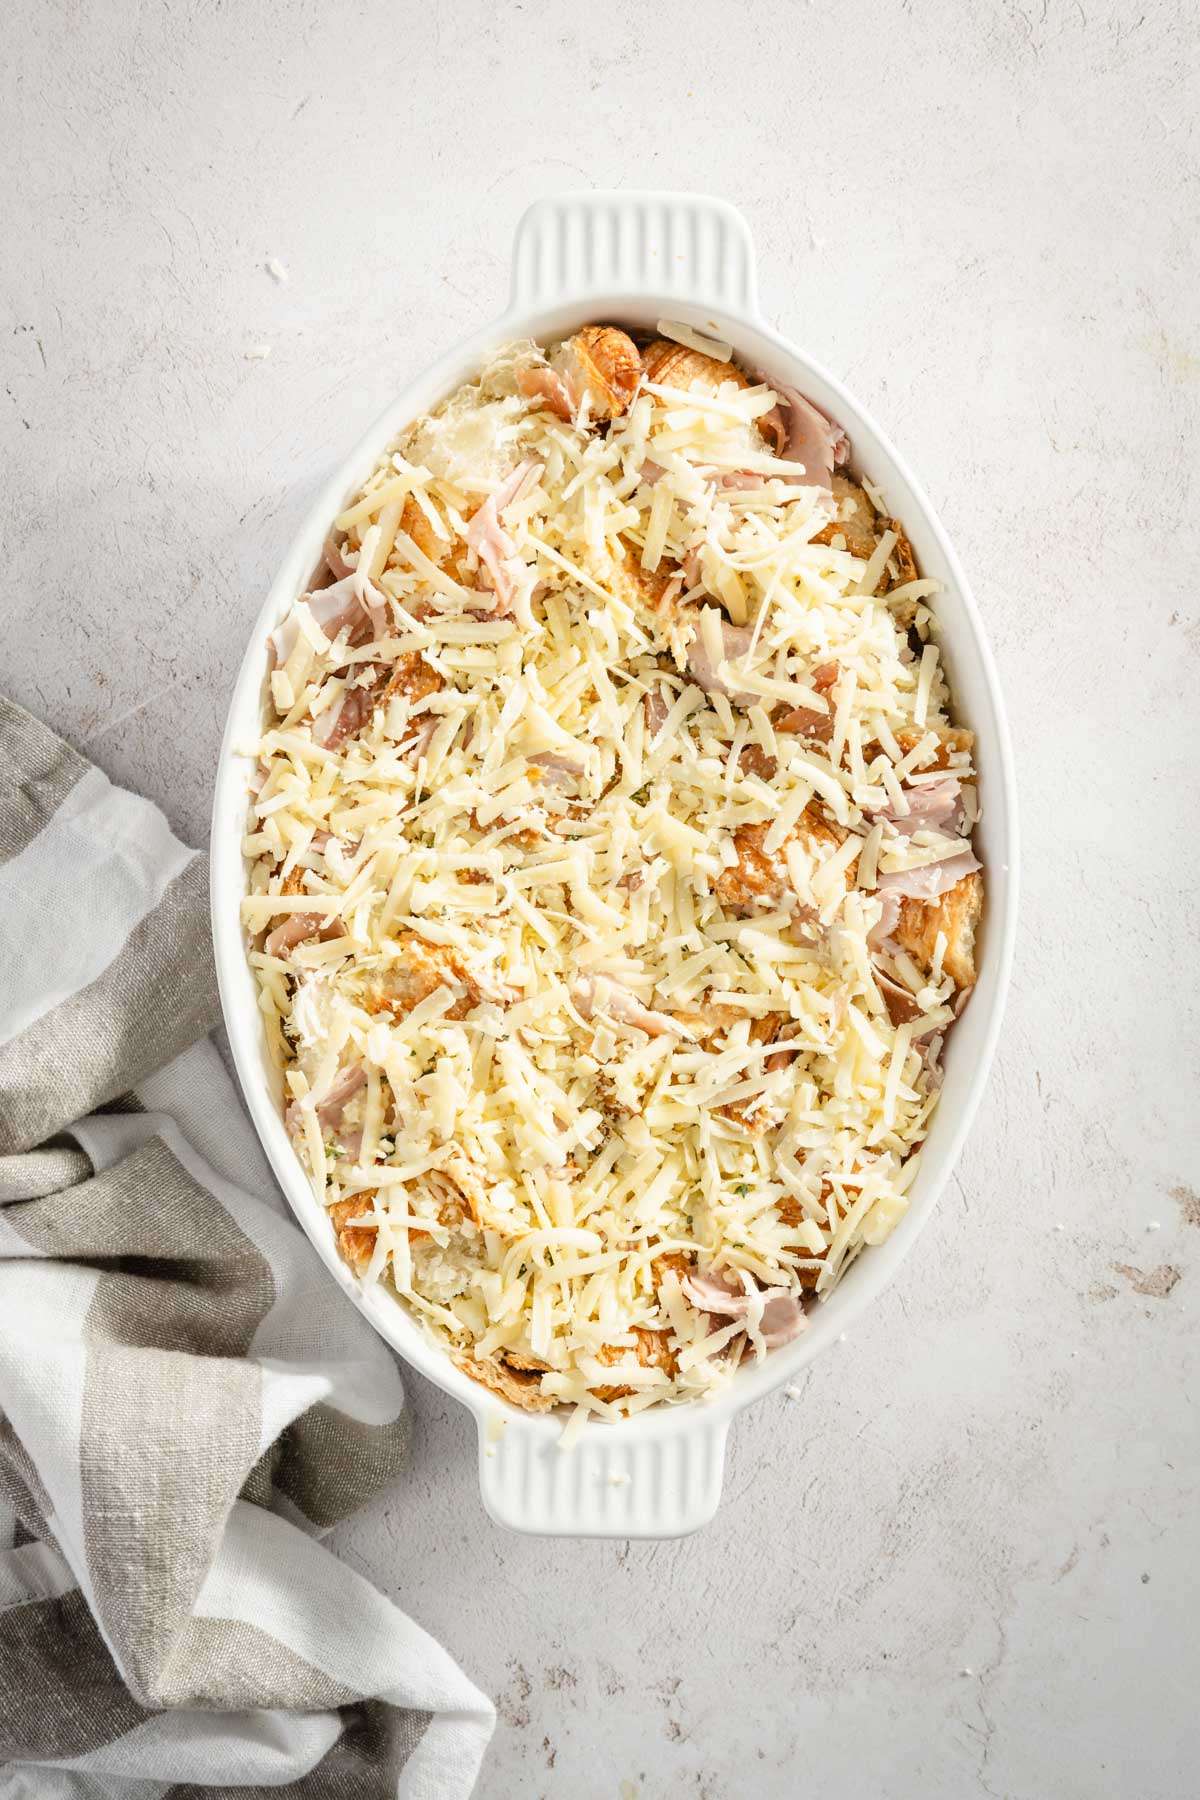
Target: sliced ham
[353,602]
[931,880]
[538,381]
[344,1088]
[348,714]
[735,641]
[330,1110]
[783,1319]
[487,537]
[300,928]
[932,806]
[805,720]
[782,1315]
[297,928]
[773,425]
[337,850]
[889,918]
[719,1292]
[350,604]
[336,562]
[802,434]
[594,994]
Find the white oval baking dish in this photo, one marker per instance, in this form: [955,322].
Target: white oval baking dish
[634,258]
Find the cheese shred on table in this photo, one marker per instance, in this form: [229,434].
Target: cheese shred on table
[611,891]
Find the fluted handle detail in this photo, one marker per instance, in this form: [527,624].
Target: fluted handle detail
[689,247]
[611,1483]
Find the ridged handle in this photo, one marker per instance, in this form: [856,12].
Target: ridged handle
[660,1483]
[687,247]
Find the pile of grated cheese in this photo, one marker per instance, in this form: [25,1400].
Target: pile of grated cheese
[547,1057]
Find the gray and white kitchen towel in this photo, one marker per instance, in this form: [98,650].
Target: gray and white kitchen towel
[186,1399]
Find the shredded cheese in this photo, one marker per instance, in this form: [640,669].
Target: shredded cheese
[563,900]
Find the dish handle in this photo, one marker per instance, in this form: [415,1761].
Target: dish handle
[660,1478]
[686,247]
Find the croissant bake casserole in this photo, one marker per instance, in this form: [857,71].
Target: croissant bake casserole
[612,890]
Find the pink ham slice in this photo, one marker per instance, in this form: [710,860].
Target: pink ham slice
[339,568]
[335,608]
[932,806]
[300,928]
[330,1110]
[538,381]
[783,1319]
[932,880]
[348,714]
[621,1005]
[803,719]
[735,640]
[600,365]
[296,929]
[801,433]
[782,1316]
[342,849]
[715,1293]
[487,537]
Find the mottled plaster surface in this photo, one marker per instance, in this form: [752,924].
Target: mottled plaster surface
[964,1560]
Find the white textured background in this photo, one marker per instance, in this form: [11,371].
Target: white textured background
[966,1562]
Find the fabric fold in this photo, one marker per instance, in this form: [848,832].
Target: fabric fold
[186,1400]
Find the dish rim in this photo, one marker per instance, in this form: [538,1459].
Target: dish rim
[982,1020]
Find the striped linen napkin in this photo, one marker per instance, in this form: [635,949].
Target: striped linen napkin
[186,1400]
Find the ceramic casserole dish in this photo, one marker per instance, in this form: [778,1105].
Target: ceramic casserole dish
[632,259]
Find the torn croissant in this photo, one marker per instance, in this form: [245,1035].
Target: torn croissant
[517,1386]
